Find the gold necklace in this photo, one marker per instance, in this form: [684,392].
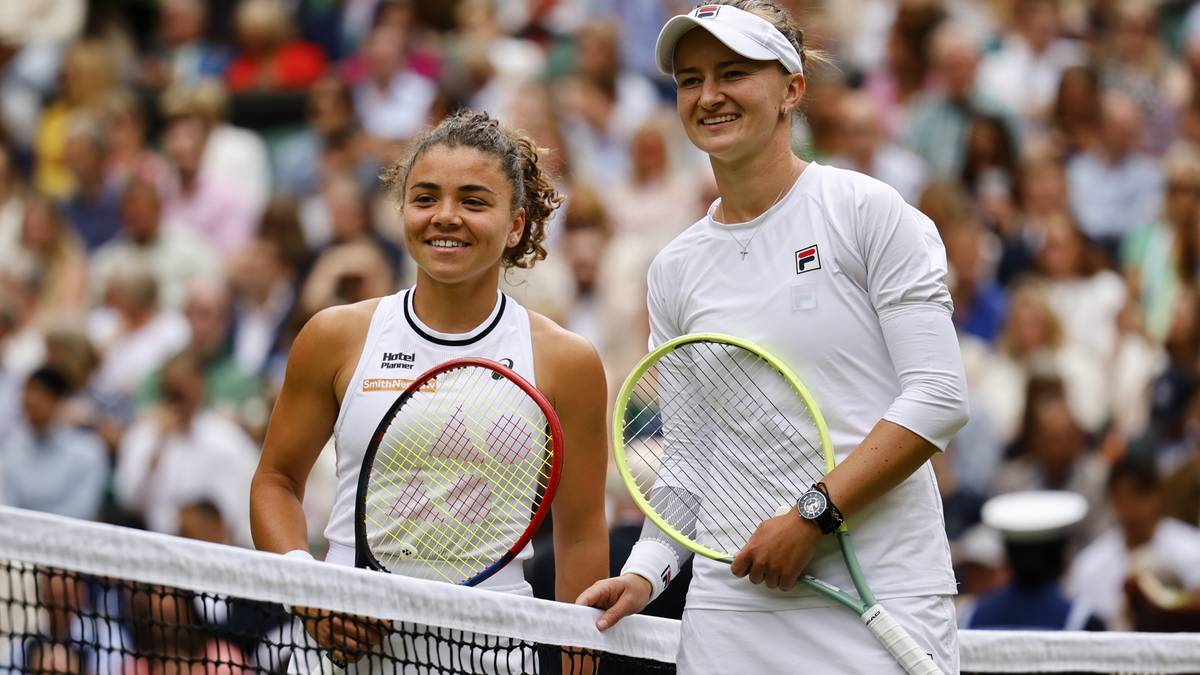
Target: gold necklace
[745,248]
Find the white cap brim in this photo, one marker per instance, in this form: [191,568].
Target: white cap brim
[737,30]
[681,25]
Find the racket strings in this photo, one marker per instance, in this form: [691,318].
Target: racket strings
[723,454]
[706,469]
[480,539]
[679,429]
[493,468]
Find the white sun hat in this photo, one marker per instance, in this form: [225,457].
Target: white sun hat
[745,33]
[1036,515]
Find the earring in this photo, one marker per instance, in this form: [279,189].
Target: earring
[783,110]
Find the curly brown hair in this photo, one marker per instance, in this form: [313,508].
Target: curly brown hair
[532,188]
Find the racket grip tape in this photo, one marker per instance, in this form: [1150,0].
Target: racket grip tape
[911,657]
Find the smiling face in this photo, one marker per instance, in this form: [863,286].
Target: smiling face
[458,216]
[731,106]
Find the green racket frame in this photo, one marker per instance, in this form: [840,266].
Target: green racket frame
[866,597]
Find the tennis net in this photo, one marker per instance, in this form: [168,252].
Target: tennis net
[79,597]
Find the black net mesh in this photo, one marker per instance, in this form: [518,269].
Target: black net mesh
[58,621]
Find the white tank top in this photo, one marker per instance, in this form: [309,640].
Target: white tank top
[399,348]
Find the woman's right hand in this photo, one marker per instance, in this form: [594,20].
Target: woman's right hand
[346,638]
[618,597]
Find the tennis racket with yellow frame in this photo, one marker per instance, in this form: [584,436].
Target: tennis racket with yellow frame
[713,436]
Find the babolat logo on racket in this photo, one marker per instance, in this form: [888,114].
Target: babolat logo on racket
[398,360]
[808,259]
[707,11]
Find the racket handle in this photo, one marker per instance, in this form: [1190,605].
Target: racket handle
[911,657]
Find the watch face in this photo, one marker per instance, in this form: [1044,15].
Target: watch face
[811,504]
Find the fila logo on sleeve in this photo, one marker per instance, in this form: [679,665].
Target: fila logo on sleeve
[707,11]
[808,259]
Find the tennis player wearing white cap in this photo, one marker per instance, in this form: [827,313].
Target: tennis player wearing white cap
[834,273]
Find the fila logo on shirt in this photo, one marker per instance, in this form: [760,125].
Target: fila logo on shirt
[398,360]
[707,11]
[808,259]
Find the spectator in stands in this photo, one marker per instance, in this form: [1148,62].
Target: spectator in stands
[603,105]
[1114,186]
[586,233]
[182,54]
[1167,437]
[897,84]
[94,208]
[941,119]
[1086,297]
[989,170]
[1041,195]
[1134,63]
[49,466]
[980,304]
[393,101]
[1036,527]
[180,452]
[49,256]
[1024,73]
[11,191]
[231,153]
[332,122]
[1052,453]
[212,206]
[1162,254]
[1076,114]
[1143,540]
[228,389]
[166,630]
[174,255]
[262,282]
[863,146]
[979,566]
[134,335]
[654,203]
[1181,484]
[341,214]
[268,57]
[129,153]
[89,75]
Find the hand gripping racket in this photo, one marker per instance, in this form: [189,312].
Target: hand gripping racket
[458,475]
[713,436]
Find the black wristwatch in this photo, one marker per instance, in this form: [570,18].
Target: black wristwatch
[816,506]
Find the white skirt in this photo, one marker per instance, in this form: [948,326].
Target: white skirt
[817,641]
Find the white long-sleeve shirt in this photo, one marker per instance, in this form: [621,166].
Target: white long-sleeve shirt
[845,283]
[212,460]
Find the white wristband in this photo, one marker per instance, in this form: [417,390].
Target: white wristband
[299,553]
[303,555]
[654,561]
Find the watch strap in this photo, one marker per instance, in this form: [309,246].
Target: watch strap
[831,518]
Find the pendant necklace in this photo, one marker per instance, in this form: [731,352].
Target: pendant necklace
[745,248]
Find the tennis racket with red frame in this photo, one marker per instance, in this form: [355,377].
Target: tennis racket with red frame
[459,474]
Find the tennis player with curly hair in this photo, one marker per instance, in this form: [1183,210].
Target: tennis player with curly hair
[475,201]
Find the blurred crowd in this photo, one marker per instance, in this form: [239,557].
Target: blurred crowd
[183,183]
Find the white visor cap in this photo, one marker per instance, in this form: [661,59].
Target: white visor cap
[745,33]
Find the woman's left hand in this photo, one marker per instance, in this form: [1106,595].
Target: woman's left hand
[778,551]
